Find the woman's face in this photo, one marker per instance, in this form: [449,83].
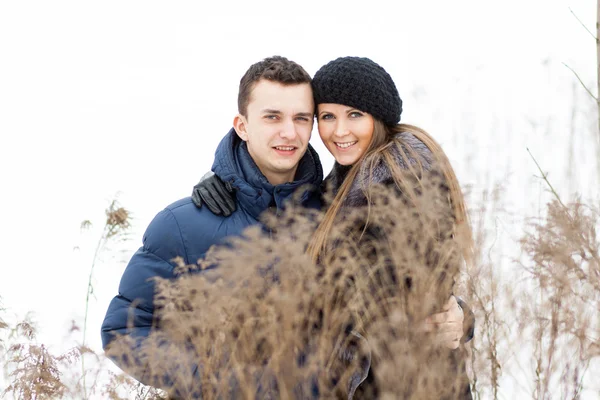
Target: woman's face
[345,131]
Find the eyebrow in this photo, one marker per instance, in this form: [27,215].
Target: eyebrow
[270,111]
[273,111]
[347,110]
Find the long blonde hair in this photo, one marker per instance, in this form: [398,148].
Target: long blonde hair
[381,150]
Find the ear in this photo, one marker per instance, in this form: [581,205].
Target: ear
[239,124]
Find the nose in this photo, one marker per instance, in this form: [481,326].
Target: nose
[341,129]
[288,130]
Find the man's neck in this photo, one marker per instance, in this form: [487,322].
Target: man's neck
[278,179]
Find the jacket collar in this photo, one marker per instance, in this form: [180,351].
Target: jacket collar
[254,193]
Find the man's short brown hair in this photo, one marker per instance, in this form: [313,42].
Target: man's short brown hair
[276,69]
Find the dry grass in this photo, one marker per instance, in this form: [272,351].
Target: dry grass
[35,372]
[269,323]
[116,226]
[565,267]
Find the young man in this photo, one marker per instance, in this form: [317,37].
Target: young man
[265,158]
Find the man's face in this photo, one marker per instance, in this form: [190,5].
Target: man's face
[277,127]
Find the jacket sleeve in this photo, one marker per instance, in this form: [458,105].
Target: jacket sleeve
[132,313]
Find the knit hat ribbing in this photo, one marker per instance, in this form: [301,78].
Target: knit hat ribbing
[361,83]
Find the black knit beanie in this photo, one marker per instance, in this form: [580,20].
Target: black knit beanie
[361,83]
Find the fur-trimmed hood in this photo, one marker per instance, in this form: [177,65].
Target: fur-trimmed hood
[381,173]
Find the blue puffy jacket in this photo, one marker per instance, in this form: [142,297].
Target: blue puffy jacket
[183,230]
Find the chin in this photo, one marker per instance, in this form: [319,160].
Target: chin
[287,166]
[345,161]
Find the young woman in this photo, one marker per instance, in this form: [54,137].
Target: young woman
[358,110]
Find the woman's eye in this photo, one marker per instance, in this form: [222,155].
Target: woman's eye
[355,114]
[326,116]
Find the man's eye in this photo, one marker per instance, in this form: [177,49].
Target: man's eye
[272,117]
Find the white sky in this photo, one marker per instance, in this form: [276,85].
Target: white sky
[133,96]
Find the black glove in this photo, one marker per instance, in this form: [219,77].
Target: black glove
[218,196]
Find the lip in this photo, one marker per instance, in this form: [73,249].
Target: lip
[354,142]
[285,152]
